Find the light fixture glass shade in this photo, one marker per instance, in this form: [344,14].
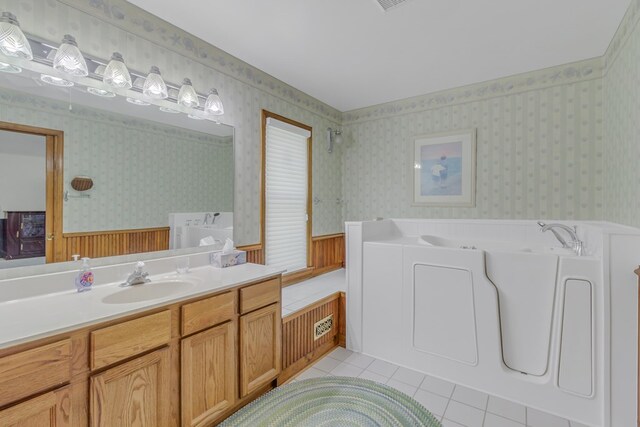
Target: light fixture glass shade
[100,69]
[69,59]
[154,86]
[187,95]
[8,68]
[117,74]
[12,40]
[213,104]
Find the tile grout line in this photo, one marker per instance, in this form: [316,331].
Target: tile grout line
[448,402]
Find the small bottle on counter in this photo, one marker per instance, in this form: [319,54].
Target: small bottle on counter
[84,280]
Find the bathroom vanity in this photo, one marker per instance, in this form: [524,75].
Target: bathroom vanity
[123,356]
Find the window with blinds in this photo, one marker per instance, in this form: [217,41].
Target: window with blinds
[286,187]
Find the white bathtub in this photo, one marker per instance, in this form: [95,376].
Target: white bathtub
[497,306]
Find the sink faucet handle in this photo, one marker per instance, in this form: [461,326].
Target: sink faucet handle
[139,267]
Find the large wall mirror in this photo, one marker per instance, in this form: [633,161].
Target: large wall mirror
[95,176]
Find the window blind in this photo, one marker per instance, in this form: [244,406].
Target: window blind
[286,177]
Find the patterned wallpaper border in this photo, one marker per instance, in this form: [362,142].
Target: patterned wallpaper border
[625,29]
[143,24]
[560,75]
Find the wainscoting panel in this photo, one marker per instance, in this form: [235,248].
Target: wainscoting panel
[327,252]
[117,242]
[255,254]
[299,346]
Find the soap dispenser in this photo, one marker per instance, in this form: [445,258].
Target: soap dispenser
[84,280]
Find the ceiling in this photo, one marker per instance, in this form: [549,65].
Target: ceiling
[351,54]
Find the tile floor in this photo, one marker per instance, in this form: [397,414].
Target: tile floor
[300,295]
[454,405]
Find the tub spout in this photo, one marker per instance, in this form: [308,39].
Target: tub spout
[575,244]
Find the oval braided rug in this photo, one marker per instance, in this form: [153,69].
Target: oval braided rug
[333,401]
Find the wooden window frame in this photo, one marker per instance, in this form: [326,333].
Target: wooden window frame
[263,202]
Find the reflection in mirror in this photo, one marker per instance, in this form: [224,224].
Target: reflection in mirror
[22,199]
[145,180]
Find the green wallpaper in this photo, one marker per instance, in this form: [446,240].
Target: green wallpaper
[539,148]
[622,123]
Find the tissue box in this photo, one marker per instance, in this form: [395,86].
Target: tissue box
[222,260]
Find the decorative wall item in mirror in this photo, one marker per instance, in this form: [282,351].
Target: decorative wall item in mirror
[82,183]
[108,174]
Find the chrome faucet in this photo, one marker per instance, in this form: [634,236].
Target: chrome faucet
[211,216]
[138,277]
[575,244]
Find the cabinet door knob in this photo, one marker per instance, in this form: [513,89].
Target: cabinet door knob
[49,236]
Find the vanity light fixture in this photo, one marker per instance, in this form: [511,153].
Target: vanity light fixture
[69,59]
[187,95]
[116,74]
[214,104]
[154,86]
[13,42]
[100,92]
[334,136]
[55,81]
[8,68]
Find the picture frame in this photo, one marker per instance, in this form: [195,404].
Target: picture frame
[444,169]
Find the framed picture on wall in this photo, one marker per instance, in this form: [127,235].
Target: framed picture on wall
[444,169]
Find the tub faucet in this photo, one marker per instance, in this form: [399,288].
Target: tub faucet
[575,244]
[138,277]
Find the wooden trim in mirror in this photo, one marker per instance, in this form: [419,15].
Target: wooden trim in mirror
[54,139]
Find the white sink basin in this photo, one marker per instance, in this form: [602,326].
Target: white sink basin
[149,291]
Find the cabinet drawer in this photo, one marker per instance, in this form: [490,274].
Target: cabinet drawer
[31,246]
[208,312]
[118,342]
[260,295]
[32,371]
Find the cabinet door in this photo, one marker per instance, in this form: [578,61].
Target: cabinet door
[52,409]
[260,348]
[136,393]
[208,374]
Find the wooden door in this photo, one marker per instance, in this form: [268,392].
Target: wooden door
[208,374]
[52,409]
[260,348]
[136,393]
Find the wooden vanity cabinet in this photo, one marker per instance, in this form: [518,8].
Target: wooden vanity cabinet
[133,393]
[260,336]
[208,374]
[174,365]
[51,409]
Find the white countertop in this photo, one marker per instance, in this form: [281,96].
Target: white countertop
[41,316]
[298,296]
